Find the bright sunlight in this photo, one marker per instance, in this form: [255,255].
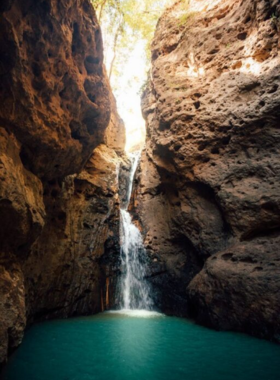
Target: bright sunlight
[128,27]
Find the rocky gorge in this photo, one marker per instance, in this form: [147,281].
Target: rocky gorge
[206,194]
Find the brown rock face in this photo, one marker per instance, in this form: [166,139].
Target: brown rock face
[63,272]
[54,96]
[12,307]
[239,288]
[210,174]
[21,198]
[58,180]
[115,133]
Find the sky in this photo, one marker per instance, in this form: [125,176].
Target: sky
[128,96]
[126,88]
[128,79]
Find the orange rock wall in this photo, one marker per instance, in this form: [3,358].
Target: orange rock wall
[58,164]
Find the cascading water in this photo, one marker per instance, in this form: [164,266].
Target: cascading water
[135,290]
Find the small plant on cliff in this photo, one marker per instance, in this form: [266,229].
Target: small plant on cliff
[186,14]
[143,87]
[275,20]
[185,18]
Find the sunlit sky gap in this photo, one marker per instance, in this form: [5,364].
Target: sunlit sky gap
[127,93]
[130,73]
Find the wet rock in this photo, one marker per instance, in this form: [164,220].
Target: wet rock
[124,178]
[12,306]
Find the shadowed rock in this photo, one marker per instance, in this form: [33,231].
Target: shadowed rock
[58,180]
[210,173]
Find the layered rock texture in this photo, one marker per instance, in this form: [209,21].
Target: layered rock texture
[60,146]
[207,192]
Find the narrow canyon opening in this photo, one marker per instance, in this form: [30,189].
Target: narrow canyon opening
[139,189]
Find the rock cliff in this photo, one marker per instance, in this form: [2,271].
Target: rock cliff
[207,193]
[60,146]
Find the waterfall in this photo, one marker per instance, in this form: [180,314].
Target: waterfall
[135,290]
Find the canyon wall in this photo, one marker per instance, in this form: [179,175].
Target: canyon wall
[207,191]
[61,142]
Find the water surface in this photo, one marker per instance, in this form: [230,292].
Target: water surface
[139,346]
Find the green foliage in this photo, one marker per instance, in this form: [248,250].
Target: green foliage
[275,19]
[124,22]
[143,87]
[185,18]
[185,14]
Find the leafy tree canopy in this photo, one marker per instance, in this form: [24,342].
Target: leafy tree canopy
[124,23]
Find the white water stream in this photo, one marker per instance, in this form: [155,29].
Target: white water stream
[135,291]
